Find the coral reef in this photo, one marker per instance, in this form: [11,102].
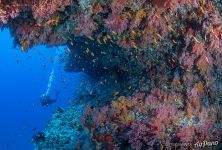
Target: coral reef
[142,122]
[156,66]
[62,131]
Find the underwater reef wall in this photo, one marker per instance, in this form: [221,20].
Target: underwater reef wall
[157,66]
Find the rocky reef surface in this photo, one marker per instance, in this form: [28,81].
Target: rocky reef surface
[156,67]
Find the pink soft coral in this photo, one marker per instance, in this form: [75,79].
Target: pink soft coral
[85,26]
[45,8]
[116,23]
[173,4]
[11,11]
[141,134]
[186,134]
[117,6]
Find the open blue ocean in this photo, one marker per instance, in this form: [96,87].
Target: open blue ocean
[24,78]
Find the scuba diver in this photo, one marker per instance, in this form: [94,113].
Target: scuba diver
[46,100]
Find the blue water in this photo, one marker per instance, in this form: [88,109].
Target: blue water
[23,79]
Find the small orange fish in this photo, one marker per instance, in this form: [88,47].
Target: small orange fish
[96,8]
